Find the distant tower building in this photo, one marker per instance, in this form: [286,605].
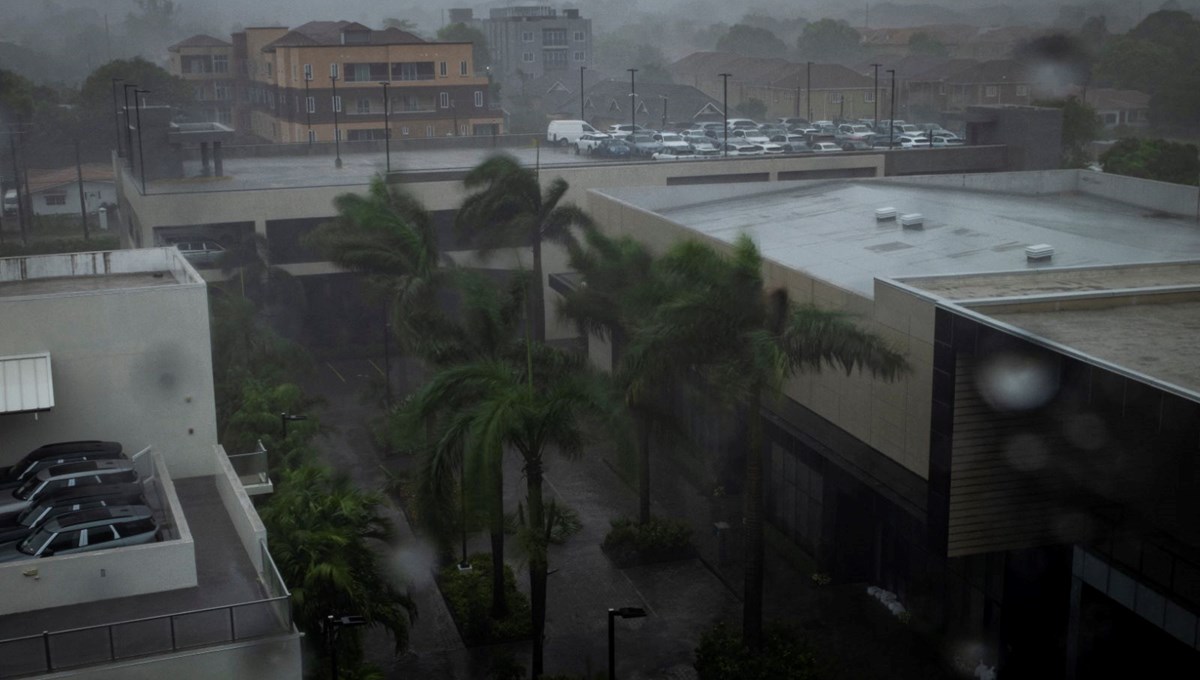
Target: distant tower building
[532,41]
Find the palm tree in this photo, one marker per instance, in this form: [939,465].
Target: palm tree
[323,536]
[744,343]
[546,405]
[508,204]
[619,291]
[388,235]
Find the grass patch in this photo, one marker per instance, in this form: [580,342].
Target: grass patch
[469,597]
[659,540]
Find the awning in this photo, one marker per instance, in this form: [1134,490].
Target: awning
[25,383]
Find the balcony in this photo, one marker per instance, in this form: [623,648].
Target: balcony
[251,468]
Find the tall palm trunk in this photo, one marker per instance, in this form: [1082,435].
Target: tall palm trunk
[538,563]
[752,499]
[643,427]
[499,601]
[537,301]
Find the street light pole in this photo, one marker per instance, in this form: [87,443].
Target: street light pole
[892,117]
[128,127]
[337,133]
[117,113]
[285,418]
[137,102]
[625,613]
[632,101]
[581,70]
[876,67]
[387,129]
[725,110]
[307,108]
[808,89]
[664,118]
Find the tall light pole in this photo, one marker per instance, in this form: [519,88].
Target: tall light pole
[117,112]
[137,102]
[632,100]
[128,127]
[308,109]
[581,70]
[387,129]
[808,89]
[876,67]
[725,110]
[664,118]
[892,117]
[337,133]
[625,613]
[285,418]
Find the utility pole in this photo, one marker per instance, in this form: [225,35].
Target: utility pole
[876,67]
[892,118]
[116,109]
[128,127]
[82,200]
[337,133]
[808,89]
[308,106]
[581,70]
[12,146]
[387,134]
[141,156]
[632,101]
[725,110]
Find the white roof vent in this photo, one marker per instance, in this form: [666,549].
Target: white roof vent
[882,214]
[1041,251]
[912,220]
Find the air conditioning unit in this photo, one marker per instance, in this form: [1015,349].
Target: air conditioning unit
[1041,251]
[882,214]
[912,220]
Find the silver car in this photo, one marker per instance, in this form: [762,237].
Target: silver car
[76,532]
[49,481]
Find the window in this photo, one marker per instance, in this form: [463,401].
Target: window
[578,36]
[462,68]
[444,100]
[868,97]
[428,130]
[478,98]
[361,73]
[338,134]
[199,93]
[554,59]
[333,70]
[835,97]
[422,70]
[312,136]
[310,104]
[56,199]
[527,57]
[220,63]
[991,91]
[579,56]
[1022,90]
[404,130]
[221,92]
[64,541]
[527,36]
[337,103]
[941,88]
[308,71]
[554,37]
[363,105]
[223,116]
[442,68]
[270,69]
[102,534]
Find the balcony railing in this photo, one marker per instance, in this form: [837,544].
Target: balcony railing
[252,469]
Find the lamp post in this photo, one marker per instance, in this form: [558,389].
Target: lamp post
[725,110]
[625,613]
[664,118]
[808,89]
[581,70]
[876,67]
[308,109]
[137,102]
[632,101]
[128,127]
[337,133]
[332,625]
[117,112]
[892,117]
[387,136]
[285,418]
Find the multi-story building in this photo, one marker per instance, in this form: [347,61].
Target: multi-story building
[532,41]
[325,80]
[207,64]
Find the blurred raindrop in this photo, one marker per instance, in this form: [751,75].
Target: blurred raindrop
[1011,381]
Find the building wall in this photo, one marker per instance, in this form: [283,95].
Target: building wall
[507,41]
[149,345]
[46,202]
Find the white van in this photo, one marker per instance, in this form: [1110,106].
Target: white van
[10,202]
[566,132]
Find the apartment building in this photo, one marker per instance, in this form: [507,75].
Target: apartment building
[532,41]
[207,64]
[324,81]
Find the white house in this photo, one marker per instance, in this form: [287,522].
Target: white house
[56,192]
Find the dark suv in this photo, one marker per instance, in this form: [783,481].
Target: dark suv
[68,475]
[50,455]
[67,500]
[77,532]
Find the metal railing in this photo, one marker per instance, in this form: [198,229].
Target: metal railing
[251,465]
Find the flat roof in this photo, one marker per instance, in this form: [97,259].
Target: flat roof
[90,283]
[828,228]
[1058,281]
[92,272]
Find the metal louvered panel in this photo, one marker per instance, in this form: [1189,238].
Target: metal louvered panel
[25,383]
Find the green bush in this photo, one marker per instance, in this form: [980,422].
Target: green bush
[784,656]
[469,597]
[658,540]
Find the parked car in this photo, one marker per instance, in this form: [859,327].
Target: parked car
[856,145]
[741,148]
[749,135]
[612,148]
[854,131]
[55,454]
[85,531]
[741,124]
[790,123]
[644,145]
[201,253]
[671,153]
[942,140]
[567,132]
[670,140]
[791,142]
[589,141]
[51,479]
[618,131]
[825,147]
[912,142]
[70,500]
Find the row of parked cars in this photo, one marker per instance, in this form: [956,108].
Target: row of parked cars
[72,497]
[746,137]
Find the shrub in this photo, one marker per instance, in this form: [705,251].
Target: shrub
[658,540]
[469,598]
[722,656]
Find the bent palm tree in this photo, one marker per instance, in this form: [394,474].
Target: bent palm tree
[547,405]
[508,205]
[744,342]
